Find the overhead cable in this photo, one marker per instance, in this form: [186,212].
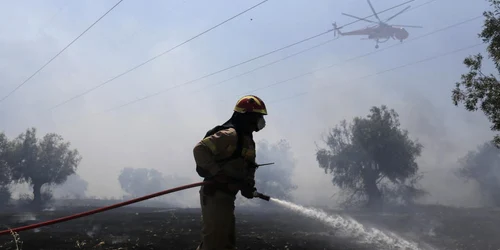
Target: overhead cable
[155,57]
[60,52]
[361,56]
[288,57]
[218,71]
[249,60]
[389,70]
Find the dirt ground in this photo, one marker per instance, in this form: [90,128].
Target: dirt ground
[149,228]
[145,228]
[443,227]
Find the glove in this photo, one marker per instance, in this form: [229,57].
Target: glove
[248,192]
[252,164]
[249,182]
[248,187]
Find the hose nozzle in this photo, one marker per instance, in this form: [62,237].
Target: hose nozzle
[262,196]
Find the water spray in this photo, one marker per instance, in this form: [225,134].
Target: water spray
[350,228]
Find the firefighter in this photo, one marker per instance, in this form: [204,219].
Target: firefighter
[226,157]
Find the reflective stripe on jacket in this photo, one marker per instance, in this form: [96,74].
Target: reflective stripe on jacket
[210,151]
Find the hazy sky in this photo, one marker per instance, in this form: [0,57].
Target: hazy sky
[160,132]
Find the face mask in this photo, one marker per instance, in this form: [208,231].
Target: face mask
[261,123]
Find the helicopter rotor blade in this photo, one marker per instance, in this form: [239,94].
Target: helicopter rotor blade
[397,14]
[396,6]
[374,12]
[407,26]
[359,18]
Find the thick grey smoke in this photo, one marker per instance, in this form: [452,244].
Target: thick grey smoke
[96,58]
[142,181]
[275,180]
[447,134]
[74,187]
[482,167]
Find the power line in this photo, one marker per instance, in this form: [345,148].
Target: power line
[269,64]
[249,60]
[377,73]
[421,61]
[60,52]
[119,43]
[155,57]
[364,55]
[395,68]
[216,72]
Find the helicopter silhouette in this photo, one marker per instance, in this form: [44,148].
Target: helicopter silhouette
[382,31]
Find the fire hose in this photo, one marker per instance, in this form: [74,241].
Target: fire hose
[121,204]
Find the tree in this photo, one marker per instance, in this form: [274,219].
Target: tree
[477,90]
[40,162]
[275,180]
[483,167]
[5,170]
[362,154]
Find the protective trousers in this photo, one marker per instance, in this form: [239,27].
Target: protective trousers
[218,231]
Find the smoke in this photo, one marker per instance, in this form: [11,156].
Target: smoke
[481,167]
[275,180]
[73,187]
[441,131]
[141,181]
[161,131]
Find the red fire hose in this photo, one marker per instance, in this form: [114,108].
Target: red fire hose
[102,209]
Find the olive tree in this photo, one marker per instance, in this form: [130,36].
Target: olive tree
[478,89]
[362,154]
[39,162]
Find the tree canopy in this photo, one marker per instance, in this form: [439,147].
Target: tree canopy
[39,162]
[483,167]
[477,89]
[362,154]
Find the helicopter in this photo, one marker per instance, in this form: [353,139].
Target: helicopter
[382,31]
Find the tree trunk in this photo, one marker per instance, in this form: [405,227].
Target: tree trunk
[374,194]
[37,194]
[370,183]
[495,196]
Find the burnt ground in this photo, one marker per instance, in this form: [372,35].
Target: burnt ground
[148,228]
[145,228]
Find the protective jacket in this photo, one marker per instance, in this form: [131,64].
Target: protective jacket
[215,155]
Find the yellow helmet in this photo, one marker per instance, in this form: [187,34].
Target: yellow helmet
[250,104]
